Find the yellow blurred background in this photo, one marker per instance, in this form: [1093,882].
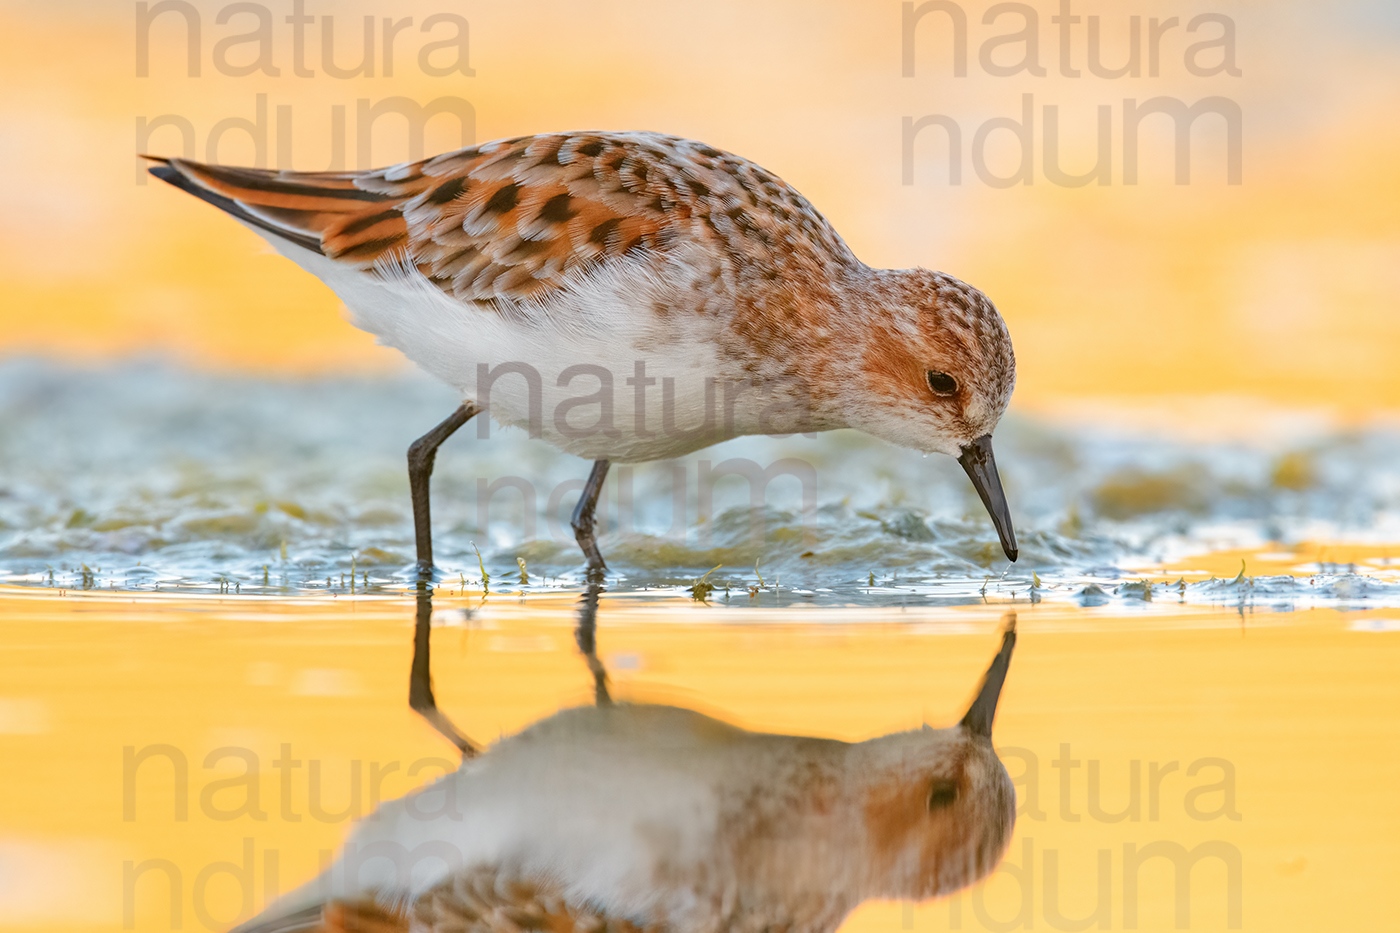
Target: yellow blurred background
[1283,286]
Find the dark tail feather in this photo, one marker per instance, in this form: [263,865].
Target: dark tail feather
[306,920]
[349,216]
[168,173]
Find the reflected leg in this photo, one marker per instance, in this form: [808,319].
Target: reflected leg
[583,520]
[586,635]
[420,678]
[421,455]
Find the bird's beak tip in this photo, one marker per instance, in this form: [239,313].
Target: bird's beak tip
[981,467]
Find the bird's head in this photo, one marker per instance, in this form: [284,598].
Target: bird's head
[936,371]
[939,805]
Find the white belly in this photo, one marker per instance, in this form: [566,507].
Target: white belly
[596,369]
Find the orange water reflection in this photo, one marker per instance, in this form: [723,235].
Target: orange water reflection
[1286,720]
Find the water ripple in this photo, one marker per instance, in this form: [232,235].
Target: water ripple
[148,476]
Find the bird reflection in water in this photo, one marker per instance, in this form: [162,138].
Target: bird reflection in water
[635,817]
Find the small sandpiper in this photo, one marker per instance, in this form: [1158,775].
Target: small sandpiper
[631,818]
[632,297]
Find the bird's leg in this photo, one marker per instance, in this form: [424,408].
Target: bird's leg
[586,636]
[420,678]
[583,521]
[421,455]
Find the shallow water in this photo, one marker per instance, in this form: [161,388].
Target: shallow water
[150,477]
[213,572]
[127,722]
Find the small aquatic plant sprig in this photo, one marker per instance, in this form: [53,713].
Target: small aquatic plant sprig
[481,565]
[701,589]
[754,588]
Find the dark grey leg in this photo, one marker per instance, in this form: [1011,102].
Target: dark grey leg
[421,455]
[583,520]
[586,635]
[420,678]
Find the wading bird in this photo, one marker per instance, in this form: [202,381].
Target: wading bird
[694,295]
[638,818]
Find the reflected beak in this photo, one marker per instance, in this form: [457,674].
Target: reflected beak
[981,468]
[983,710]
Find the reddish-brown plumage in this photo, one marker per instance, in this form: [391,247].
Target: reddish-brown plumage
[512,219]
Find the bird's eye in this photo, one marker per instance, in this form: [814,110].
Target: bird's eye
[943,794]
[942,383]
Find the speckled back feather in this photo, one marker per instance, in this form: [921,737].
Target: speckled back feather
[512,219]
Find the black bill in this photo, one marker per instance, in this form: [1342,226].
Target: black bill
[981,468]
[983,710]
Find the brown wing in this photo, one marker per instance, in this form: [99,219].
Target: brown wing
[514,218]
[485,901]
[480,900]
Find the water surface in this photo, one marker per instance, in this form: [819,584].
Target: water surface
[150,477]
[1266,745]
[206,603]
